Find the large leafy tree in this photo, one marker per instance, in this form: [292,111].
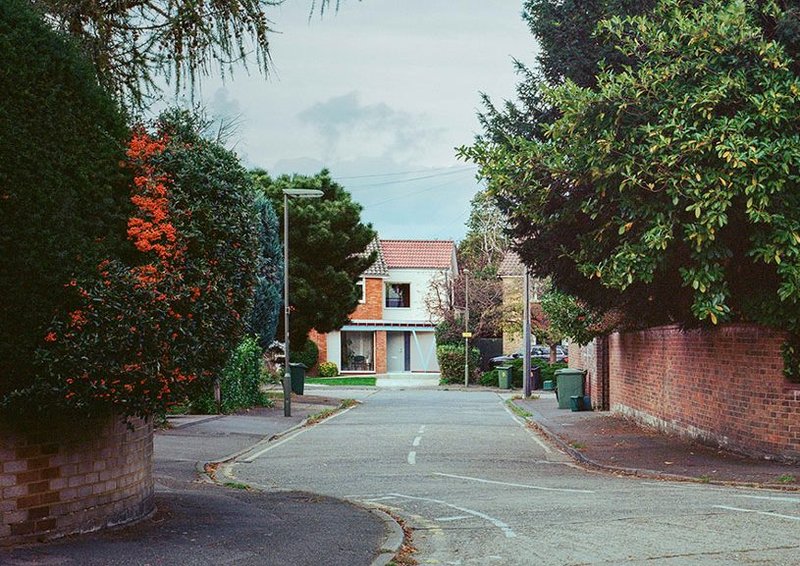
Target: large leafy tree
[327,244]
[569,49]
[668,191]
[486,240]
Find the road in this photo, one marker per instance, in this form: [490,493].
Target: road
[477,487]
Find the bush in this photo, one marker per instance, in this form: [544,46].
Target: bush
[451,363]
[547,370]
[63,195]
[165,322]
[308,354]
[449,333]
[328,369]
[490,378]
[240,382]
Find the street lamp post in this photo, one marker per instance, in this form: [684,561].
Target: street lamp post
[287,376]
[466,328]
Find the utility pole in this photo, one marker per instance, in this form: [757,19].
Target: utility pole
[526,332]
[467,333]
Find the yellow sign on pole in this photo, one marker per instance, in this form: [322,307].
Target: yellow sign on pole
[466,334]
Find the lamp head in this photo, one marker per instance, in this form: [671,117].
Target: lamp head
[303,193]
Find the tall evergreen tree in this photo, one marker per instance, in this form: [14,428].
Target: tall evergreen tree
[327,244]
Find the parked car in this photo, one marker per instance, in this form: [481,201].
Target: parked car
[538,351]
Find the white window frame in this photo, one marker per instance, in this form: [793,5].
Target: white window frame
[363,298]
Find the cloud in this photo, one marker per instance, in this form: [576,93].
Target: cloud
[351,129]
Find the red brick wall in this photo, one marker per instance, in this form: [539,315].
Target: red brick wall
[82,478]
[321,340]
[723,386]
[372,307]
[380,351]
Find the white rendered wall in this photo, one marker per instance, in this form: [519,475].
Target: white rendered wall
[420,281]
[423,349]
[335,348]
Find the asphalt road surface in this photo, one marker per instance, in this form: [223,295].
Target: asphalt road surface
[479,488]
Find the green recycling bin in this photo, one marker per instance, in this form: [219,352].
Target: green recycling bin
[298,373]
[569,383]
[504,377]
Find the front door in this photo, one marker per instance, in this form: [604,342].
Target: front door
[398,352]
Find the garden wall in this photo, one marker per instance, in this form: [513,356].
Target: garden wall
[69,479]
[723,386]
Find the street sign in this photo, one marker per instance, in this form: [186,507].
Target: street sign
[466,334]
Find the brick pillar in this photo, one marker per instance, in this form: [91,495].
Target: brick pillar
[380,351]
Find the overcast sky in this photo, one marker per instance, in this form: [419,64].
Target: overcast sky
[380,93]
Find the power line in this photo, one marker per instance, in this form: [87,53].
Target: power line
[469,167]
[411,179]
[408,194]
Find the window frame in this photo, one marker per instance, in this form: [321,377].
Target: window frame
[387,287]
[363,284]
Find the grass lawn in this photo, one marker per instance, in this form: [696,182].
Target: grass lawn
[341,380]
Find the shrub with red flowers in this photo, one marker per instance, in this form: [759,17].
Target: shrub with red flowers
[150,328]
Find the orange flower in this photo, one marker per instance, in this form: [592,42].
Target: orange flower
[51,337]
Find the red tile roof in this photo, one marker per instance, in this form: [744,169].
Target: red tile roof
[430,254]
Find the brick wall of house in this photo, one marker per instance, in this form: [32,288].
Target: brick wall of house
[723,386]
[372,307]
[74,478]
[321,340]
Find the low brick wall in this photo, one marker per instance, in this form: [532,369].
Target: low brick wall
[723,386]
[74,478]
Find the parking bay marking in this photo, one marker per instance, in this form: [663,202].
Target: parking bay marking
[536,487]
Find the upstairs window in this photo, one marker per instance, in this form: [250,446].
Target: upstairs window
[398,295]
[361,291]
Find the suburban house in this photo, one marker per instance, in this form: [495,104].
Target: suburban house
[391,331]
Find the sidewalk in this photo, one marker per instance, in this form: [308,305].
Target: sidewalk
[612,443]
[198,522]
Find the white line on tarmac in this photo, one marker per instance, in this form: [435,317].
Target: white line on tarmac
[412,457]
[496,522]
[523,423]
[421,429]
[563,489]
[417,441]
[260,453]
[456,518]
[771,498]
[767,513]
[386,498]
